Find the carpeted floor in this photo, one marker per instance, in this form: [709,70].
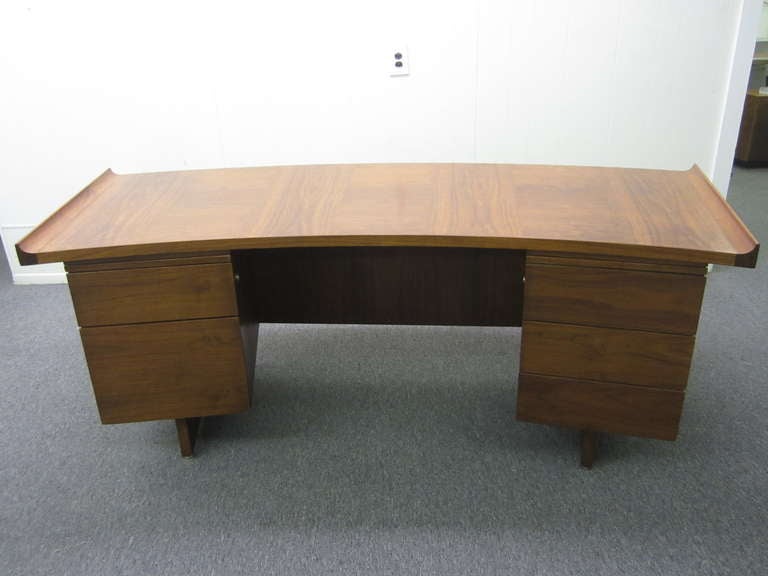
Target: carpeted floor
[381,450]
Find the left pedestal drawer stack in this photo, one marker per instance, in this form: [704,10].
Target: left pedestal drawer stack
[161,337]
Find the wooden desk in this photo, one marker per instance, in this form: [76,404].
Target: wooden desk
[604,268]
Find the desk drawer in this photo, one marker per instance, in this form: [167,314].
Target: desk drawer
[153,294]
[610,354]
[614,298]
[604,406]
[167,369]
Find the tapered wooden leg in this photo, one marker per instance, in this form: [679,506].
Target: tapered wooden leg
[589,440]
[187,429]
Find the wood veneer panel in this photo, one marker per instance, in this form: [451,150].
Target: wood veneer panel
[624,356]
[623,212]
[153,294]
[167,370]
[149,262]
[602,406]
[246,291]
[596,261]
[383,285]
[658,302]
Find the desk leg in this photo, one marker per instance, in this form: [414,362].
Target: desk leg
[589,439]
[187,429]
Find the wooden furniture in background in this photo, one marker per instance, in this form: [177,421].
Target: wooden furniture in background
[172,273]
[752,145]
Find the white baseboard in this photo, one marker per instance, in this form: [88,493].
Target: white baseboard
[36,274]
[40,278]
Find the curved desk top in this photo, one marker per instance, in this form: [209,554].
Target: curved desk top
[632,213]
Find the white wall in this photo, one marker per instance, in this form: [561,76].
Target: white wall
[739,76]
[762,31]
[141,86]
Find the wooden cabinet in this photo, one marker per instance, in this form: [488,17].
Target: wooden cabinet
[752,145]
[162,337]
[607,345]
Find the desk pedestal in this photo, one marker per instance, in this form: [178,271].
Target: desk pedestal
[606,343]
[163,339]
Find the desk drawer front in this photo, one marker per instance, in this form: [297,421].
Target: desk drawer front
[153,294]
[609,354]
[167,370]
[654,301]
[607,343]
[605,406]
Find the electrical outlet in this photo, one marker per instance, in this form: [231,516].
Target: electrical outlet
[399,63]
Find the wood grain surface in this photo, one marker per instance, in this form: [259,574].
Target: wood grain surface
[636,300]
[602,406]
[153,294]
[670,215]
[247,306]
[382,285]
[167,370]
[591,353]
[149,262]
[597,261]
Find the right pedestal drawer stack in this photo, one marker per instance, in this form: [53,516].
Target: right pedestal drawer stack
[607,344]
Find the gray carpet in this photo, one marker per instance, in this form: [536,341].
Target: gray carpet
[385,451]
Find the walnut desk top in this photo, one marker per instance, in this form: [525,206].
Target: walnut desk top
[626,213]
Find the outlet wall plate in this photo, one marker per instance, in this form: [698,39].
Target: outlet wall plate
[399,61]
